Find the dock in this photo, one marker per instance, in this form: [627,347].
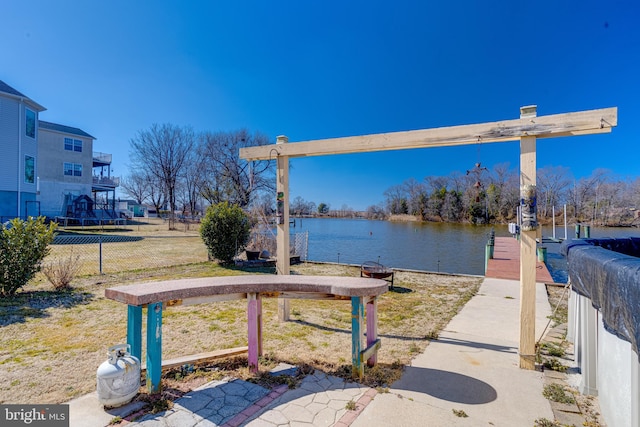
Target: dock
[506,262]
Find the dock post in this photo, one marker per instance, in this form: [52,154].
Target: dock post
[553,216]
[577,231]
[542,254]
[587,231]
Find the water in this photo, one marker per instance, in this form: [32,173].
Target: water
[450,248]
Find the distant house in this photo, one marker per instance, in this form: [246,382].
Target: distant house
[65,167]
[52,170]
[19,147]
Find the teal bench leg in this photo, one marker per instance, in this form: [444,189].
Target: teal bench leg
[357,333]
[134,330]
[154,347]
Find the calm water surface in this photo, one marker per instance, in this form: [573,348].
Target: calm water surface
[451,248]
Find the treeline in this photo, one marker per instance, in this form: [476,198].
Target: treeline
[489,196]
[492,196]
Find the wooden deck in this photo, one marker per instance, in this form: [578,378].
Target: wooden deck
[506,262]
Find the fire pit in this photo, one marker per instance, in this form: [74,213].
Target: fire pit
[376,270]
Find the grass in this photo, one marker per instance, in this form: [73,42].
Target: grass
[51,343]
[558,393]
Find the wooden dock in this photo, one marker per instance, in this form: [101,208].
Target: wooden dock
[506,262]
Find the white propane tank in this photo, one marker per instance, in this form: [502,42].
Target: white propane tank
[118,377]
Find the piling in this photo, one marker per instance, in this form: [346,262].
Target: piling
[542,254]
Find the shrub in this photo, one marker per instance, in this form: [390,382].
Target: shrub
[225,230]
[23,246]
[62,271]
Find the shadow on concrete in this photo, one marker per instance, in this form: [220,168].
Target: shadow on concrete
[348,331]
[482,345]
[444,385]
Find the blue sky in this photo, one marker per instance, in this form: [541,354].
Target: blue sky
[321,69]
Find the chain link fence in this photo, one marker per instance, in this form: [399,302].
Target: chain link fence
[105,254]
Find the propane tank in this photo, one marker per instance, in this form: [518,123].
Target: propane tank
[118,377]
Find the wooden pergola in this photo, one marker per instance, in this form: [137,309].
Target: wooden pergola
[527,129]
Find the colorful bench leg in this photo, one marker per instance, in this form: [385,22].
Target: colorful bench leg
[372,328]
[357,333]
[254,318]
[134,330]
[154,347]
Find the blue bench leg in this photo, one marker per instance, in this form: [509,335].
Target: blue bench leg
[357,333]
[134,330]
[154,347]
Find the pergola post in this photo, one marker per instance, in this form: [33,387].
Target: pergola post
[282,238]
[527,251]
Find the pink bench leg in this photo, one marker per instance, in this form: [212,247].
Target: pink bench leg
[372,328]
[254,317]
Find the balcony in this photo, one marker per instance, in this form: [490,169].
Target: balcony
[101,159]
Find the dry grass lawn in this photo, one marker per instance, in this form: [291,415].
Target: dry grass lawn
[51,343]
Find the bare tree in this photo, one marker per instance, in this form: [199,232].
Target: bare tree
[396,200]
[192,181]
[163,151]
[229,178]
[136,185]
[552,182]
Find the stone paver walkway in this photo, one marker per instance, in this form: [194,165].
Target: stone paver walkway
[319,400]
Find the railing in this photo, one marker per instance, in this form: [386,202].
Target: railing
[102,157]
[110,182]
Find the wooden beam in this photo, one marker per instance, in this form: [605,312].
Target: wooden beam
[304,295]
[370,353]
[205,300]
[556,125]
[201,357]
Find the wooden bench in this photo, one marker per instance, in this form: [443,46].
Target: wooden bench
[156,296]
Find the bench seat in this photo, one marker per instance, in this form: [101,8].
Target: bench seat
[158,295]
[171,290]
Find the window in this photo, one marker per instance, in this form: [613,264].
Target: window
[29,170]
[73,145]
[72,169]
[30,124]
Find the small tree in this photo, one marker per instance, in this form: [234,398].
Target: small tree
[225,230]
[23,246]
